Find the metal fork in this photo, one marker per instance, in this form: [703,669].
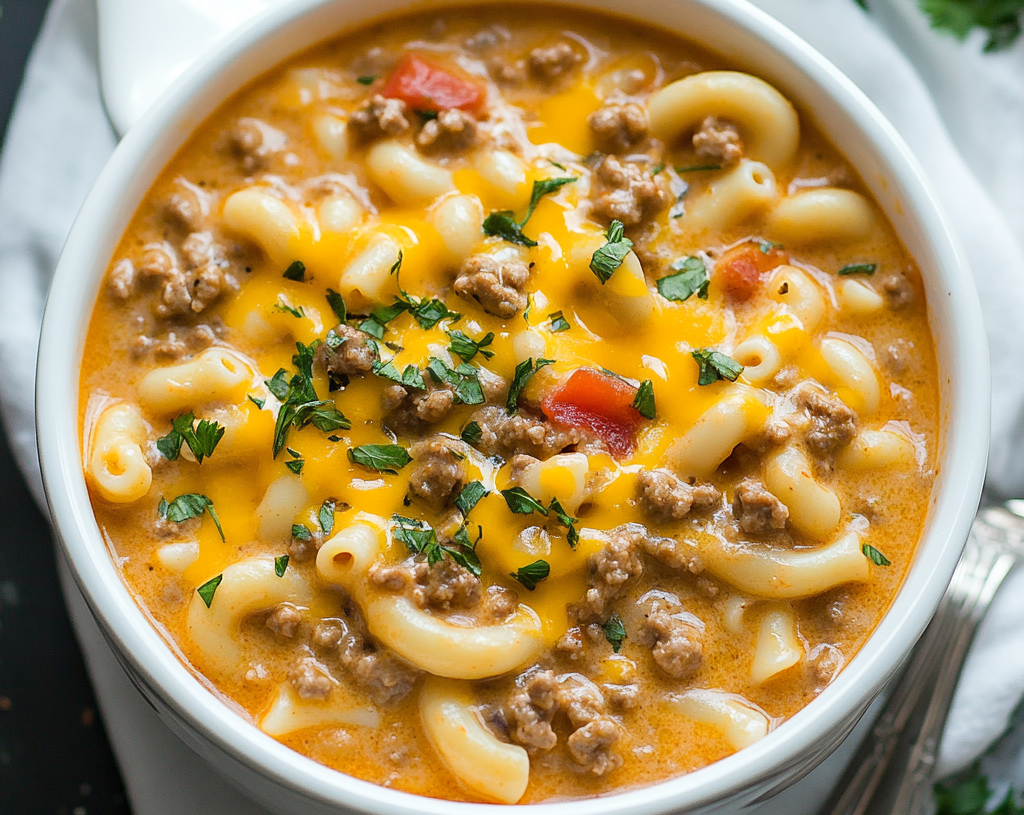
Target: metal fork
[902,747]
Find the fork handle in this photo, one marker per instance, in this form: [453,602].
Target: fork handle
[934,663]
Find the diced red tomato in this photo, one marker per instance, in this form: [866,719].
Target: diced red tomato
[600,403]
[423,85]
[740,270]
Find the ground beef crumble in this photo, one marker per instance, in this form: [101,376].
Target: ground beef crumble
[830,422]
[718,140]
[618,562]
[496,285]
[439,472]
[439,586]
[379,116]
[550,62]
[453,130]
[412,409]
[757,510]
[675,637]
[666,497]
[347,352]
[619,127]
[624,191]
[284,620]
[503,435]
[311,679]
[379,672]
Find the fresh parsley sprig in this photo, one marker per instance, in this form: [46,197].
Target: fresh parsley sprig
[296,271]
[531,574]
[188,506]
[644,399]
[468,348]
[523,373]
[419,537]
[472,433]
[464,380]
[715,365]
[614,632]
[300,404]
[209,588]
[691,278]
[202,439]
[504,225]
[521,502]
[610,256]
[1002,20]
[384,458]
[872,554]
[470,496]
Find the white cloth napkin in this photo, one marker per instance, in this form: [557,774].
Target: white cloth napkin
[962,112]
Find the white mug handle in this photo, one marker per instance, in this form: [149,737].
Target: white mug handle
[145,44]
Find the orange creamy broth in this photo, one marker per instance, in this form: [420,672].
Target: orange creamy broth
[656,742]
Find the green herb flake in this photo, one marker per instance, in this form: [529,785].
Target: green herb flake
[767,246]
[284,308]
[558,322]
[470,496]
[872,554]
[337,304]
[522,503]
[202,439]
[256,401]
[644,401]
[295,466]
[657,168]
[471,433]
[566,520]
[188,506]
[209,588]
[278,385]
[531,574]
[296,271]
[614,632]
[280,565]
[464,380]
[372,327]
[543,187]
[523,373]
[610,256]
[301,532]
[715,365]
[503,225]
[384,458]
[692,278]
[468,348]
[300,405]
[366,80]
[420,538]
[698,168]
[858,268]
[325,516]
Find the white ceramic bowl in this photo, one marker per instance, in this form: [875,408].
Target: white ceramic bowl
[286,781]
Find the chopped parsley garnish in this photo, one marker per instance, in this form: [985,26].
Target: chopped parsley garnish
[188,506]
[558,322]
[280,565]
[657,168]
[566,520]
[1003,20]
[715,365]
[283,307]
[385,458]
[767,246]
[256,401]
[296,271]
[427,313]
[337,304]
[301,532]
[202,439]
[471,433]
[610,256]
[420,538]
[468,348]
[524,371]
[209,588]
[614,632]
[503,224]
[470,496]
[297,463]
[366,80]
[529,308]
[692,278]
[521,502]
[325,516]
[531,574]
[372,327]
[410,377]
[698,168]
[464,380]
[300,404]
[859,268]
[872,554]
[644,401]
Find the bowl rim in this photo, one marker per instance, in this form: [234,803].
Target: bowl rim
[146,653]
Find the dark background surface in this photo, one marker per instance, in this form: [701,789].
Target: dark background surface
[54,755]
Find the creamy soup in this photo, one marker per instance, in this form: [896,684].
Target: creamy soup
[511,407]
